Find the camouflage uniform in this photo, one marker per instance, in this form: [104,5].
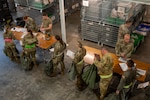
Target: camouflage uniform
[126,82]
[126,48]
[30,24]
[46,23]
[105,70]
[10,48]
[122,31]
[29,45]
[58,57]
[79,64]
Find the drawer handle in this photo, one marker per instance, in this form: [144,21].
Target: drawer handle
[108,29]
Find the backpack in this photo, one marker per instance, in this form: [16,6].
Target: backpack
[26,62]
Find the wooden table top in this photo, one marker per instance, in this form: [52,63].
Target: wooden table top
[89,58]
[44,44]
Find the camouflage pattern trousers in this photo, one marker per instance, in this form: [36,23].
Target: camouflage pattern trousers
[104,83]
[10,51]
[58,60]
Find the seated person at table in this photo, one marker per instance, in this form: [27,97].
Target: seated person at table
[79,64]
[124,47]
[127,80]
[29,46]
[58,56]
[46,26]
[30,23]
[10,48]
[105,71]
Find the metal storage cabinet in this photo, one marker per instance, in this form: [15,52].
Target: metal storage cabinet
[91,30]
[109,35]
[100,11]
[75,5]
[92,12]
[53,13]
[21,2]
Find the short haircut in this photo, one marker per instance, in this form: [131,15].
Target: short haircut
[44,14]
[104,48]
[25,17]
[130,63]
[57,37]
[127,34]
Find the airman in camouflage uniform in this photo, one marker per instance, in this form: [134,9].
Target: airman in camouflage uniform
[10,48]
[124,29]
[30,23]
[124,47]
[127,80]
[58,57]
[29,46]
[105,71]
[79,64]
[46,26]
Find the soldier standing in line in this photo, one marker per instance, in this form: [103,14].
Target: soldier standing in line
[124,29]
[79,64]
[127,80]
[124,47]
[10,48]
[30,23]
[46,26]
[105,71]
[58,57]
[29,46]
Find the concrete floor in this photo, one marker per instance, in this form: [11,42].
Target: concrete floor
[17,84]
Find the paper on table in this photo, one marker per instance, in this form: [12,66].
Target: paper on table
[24,30]
[141,71]
[122,60]
[70,54]
[23,36]
[52,49]
[85,3]
[143,85]
[123,66]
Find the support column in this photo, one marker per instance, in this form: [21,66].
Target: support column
[62,20]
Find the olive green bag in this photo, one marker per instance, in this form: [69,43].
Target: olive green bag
[72,72]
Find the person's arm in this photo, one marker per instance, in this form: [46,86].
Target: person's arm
[117,48]
[100,64]
[121,85]
[49,27]
[129,50]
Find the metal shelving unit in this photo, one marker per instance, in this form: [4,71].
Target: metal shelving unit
[91,30]
[100,11]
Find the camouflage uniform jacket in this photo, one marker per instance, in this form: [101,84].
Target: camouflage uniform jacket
[126,48]
[28,40]
[59,51]
[78,59]
[9,35]
[122,31]
[127,78]
[46,23]
[105,65]
[30,24]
